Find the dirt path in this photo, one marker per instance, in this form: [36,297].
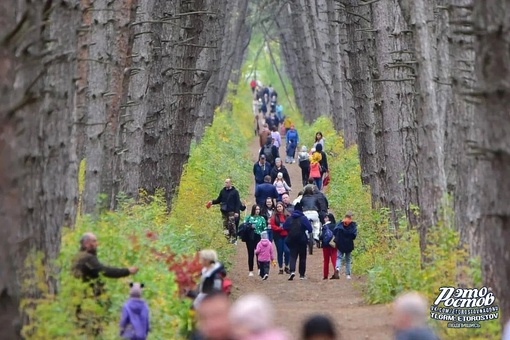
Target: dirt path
[295,300]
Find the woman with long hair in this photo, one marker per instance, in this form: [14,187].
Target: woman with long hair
[319,139]
[279,234]
[267,211]
[257,224]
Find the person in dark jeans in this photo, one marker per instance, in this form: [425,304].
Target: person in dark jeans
[297,225]
[258,225]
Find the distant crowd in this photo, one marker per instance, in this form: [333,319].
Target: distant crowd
[276,231]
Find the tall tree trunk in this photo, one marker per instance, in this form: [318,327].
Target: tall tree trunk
[430,157]
[460,126]
[393,74]
[362,93]
[492,50]
[108,56]
[37,64]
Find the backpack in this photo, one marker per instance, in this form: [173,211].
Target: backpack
[267,150]
[327,235]
[295,232]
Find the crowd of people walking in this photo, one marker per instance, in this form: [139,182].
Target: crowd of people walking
[276,232]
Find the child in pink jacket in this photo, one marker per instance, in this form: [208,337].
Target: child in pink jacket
[265,255]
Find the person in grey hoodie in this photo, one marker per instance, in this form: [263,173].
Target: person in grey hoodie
[134,322]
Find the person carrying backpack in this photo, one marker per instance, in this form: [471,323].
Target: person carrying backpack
[345,234]
[328,250]
[270,151]
[297,240]
[292,139]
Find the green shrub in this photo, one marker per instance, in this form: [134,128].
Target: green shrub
[131,234]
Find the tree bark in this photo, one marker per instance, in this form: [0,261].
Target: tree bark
[37,61]
[393,74]
[492,48]
[108,56]
[430,156]
[362,94]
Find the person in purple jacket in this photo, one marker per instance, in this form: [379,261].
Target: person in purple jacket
[134,321]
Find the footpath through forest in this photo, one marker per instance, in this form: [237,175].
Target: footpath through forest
[295,300]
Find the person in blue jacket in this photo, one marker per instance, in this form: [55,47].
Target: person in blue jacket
[297,240]
[265,190]
[345,233]
[292,140]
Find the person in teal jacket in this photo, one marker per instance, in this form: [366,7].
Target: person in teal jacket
[258,223]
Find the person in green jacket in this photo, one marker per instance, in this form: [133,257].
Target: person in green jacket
[258,224]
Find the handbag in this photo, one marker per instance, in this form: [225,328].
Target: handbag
[332,243]
[326,179]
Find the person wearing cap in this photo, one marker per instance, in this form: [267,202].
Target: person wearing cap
[328,251]
[265,255]
[134,321]
[345,233]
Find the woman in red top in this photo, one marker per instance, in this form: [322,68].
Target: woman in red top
[279,235]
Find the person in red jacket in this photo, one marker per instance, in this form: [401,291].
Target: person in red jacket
[279,234]
[253,85]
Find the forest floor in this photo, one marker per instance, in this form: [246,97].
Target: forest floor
[296,300]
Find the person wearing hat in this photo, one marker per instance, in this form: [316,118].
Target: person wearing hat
[328,251]
[265,255]
[134,321]
[345,234]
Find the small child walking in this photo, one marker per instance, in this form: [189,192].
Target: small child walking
[265,255]
[134,321]
[345,234]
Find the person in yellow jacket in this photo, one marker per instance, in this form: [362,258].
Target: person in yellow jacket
[287,124]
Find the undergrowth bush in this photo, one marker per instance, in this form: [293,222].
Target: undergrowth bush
[141,233]
[391,261]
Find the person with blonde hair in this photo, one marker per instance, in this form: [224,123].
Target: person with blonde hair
[213,273]
[251,317]
[410,312]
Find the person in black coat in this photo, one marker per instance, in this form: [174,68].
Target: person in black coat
[279,167]
[345,233]
[297,225]
[261,169]
[230,206]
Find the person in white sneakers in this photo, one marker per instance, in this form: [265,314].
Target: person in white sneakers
[345,233]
